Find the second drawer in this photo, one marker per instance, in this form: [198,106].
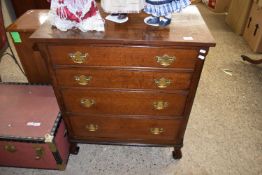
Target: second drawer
[124,102]
[117,78]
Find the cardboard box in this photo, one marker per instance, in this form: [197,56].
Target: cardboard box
[253,30]
[238,14]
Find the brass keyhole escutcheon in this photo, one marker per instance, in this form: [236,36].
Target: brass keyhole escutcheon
[83,80]
[10,148]
[78,57]
[165,60]
[39,153]
[87,103]
[160,105]
[92,127]
[162,83]
[156,131]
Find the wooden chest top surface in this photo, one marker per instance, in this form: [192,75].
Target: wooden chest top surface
[187,28]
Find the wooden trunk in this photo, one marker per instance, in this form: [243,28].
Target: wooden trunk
[32,132]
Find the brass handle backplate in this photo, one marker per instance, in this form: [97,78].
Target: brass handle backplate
[39,153]
[78,57]
[87,103]
[160,105]
[83,80]
[165,60]
[92,127]
[10,148]
[163,82]
[156,131]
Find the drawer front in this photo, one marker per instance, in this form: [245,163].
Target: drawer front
[132,79]
[123,128]
[123,102]
[123,56]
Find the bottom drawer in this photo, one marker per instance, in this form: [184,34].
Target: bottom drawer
[124,129]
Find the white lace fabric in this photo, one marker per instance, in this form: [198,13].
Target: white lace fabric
[68,14]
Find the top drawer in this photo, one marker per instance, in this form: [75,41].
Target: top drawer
[123,56]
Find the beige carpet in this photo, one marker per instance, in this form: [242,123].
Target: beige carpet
[224,134]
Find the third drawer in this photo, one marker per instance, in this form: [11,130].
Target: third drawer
[124,102]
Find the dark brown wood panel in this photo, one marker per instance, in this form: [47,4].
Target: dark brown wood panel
[121,78]
[21,7]
[124,102]
[31,59]
[124,56]
[123,128]
[32,62]
[30,21]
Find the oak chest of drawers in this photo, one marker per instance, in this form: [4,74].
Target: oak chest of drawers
[133,84]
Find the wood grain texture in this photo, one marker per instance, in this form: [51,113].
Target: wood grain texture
[189,23]
[123,102]
[123,128]
[32,62]
[120,96]
[124,56]
[21,7]
[122,78]
[30,21]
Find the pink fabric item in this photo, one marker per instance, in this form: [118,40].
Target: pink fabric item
[81,14]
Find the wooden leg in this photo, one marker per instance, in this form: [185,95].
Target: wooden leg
[177,154]
[74,149]
[246,58]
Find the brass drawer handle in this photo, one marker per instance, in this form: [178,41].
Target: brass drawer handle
[10,148]
[156,131]
[83,80]
[92,127]
[87,103]
[39,152]
[165,60]
[78,57]
[160,105]
[163,82]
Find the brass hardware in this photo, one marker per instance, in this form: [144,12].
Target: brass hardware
[156,131]
[49,139]
[10,148]
[61,167]
[78,57]
[83,80]
[39,151]
[87,103]
[92,127]
[160,105]
[162,82]
[165,60]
